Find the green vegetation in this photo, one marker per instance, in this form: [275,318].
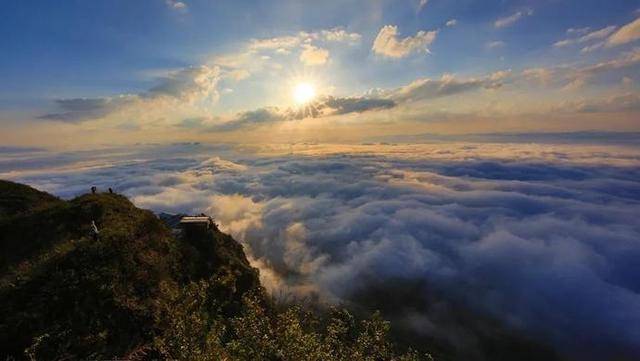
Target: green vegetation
[140,293]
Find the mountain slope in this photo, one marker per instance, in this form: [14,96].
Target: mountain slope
[66,294]
[139,293]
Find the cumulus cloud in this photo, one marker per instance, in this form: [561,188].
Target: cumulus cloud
[512,19]
[452,23]
[542,238]
[626,34]
[312,55]
[388,44]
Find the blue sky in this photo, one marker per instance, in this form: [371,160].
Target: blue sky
[106,50]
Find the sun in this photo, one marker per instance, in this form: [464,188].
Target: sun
[303,93]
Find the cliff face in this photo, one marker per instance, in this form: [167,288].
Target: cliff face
[65,295]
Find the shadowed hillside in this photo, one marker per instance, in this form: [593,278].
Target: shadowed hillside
[140,293]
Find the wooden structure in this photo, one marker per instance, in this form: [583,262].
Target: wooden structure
[197,223]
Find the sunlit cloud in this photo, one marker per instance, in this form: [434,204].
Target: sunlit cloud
[626,34]
[587,37]
[388,43]
[312,55]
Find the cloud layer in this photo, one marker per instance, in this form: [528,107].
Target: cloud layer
[541,237]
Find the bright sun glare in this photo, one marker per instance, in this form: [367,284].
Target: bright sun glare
[303,93]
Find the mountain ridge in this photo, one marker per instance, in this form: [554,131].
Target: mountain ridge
[137,292]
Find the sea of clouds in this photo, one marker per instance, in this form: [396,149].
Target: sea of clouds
[543,237]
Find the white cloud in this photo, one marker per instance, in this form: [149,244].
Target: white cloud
[452,22]
[593,47]
[512,19]
[388,44]
[594,35]
[496,44]
[422,4]
[563,43]
[176,5]
[578,31]
[340,35]
[626,34]
[281,42]
[598,34]
[312,55]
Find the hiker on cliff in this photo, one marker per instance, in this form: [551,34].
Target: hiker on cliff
[93,190]
[110,190]
[94,230]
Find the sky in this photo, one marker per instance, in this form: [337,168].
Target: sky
[92,73]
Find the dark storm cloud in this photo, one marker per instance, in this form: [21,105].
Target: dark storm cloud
[547,244]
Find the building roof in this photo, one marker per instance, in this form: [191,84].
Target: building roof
[199,219]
